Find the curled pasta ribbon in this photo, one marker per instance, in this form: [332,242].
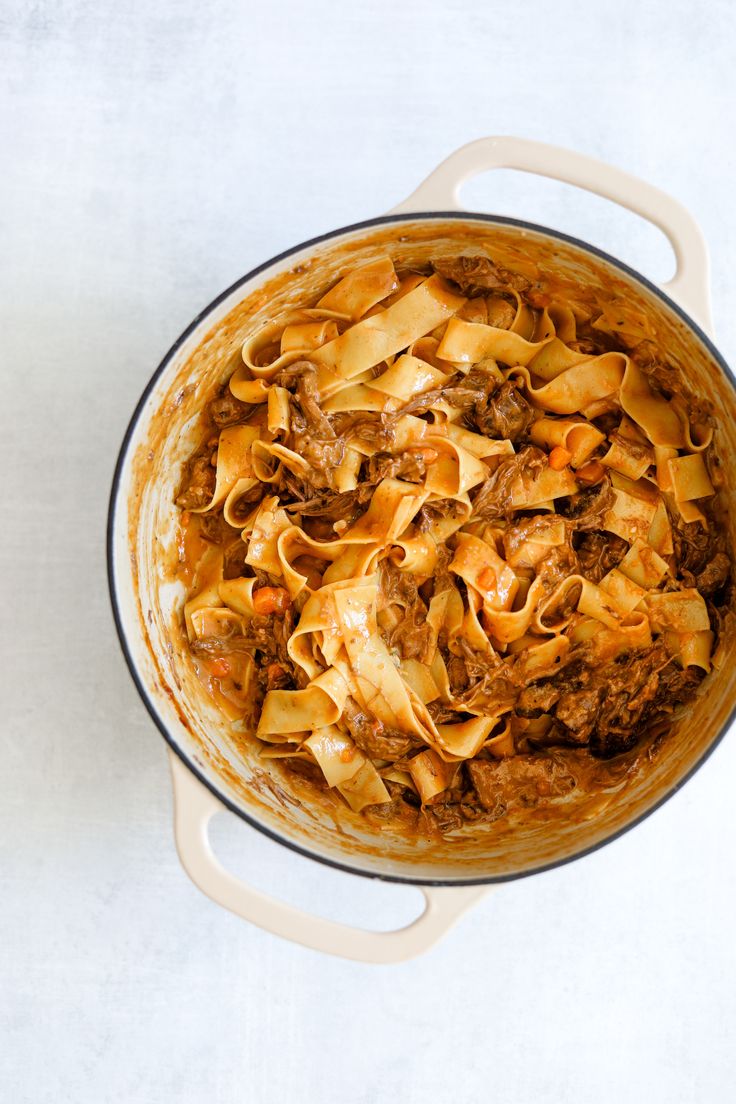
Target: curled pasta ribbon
[265,352]
[362,288]
[578,387]
[234,463]
[470,342]
[456,469]
[289,711]
[409,376]
[654,414]
[578,436]
[378,682]
[372,340]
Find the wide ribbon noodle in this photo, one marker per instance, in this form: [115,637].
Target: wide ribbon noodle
[406,485]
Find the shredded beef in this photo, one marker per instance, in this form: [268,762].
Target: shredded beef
[234,559]
[199,484]
[714,575]
[374,738]
[410,466]
[598,553]
[665,377]
[587,509]
[317,421]
[266,637]
[226,410]
[413,635]
[695,547]
[506,415]
[376,430]
[577,710]
[638,689]
[537,698]
[332,505]
[522,780]
[494,497]
[476,273]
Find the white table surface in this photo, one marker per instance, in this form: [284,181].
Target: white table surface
[151,154]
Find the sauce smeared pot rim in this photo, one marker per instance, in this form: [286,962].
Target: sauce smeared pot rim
[124,458]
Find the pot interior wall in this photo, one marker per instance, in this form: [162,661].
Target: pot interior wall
[150,600]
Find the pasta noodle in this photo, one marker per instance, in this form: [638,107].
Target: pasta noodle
[444,524]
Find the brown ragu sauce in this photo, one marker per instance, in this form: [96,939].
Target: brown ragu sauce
[547,721]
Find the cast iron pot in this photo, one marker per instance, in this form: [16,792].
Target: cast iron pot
[210,769]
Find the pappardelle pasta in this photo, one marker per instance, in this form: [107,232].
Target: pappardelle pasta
[442,524]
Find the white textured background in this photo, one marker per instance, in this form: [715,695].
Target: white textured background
[150,153]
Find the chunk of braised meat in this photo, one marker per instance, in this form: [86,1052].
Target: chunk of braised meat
[665,377]
[494,497]
[505,415]
[376,430]
[592,341]
[598,553]
[304,768]
[441,509]
[374,738]
[332,505]
[446,816]
[308,397]
[199,483]
[225,409]
[481,664]
[476,273]
[441,713]
[214,528]
[577,710]
[695,547]
[714,575]
[402,810]
[413,635]
[410,465]
[312,434]
[587,509]
[638,690]
[457,673]
[560,562]
[463,392]
[537,698]
[234,559]
[521,780]
[323,456]
[266,638]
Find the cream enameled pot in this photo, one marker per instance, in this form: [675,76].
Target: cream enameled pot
[209,771]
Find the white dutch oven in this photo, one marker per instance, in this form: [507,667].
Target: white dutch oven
[210,771]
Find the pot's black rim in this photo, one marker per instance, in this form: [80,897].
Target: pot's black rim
[428,216]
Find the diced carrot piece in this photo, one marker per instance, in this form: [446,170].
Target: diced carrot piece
[592,472]
[487,578]
[270,600]
[347,755]
[220,667]
[274,673]
[559,458]
[428,455]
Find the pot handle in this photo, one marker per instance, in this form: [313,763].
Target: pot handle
[194,807]
[690,286]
